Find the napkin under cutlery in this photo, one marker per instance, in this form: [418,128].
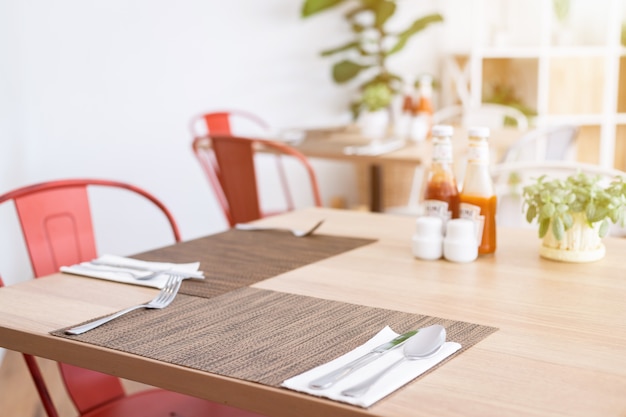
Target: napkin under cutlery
[393,380]
[105,267]
[375,149]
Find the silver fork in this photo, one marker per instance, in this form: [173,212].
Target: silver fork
[162,300]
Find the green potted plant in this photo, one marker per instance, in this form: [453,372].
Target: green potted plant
[366,56]
[574,214]
[375,121]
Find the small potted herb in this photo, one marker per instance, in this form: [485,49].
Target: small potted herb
[374,111]
[574,214]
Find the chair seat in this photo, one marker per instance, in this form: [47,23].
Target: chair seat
[161,403]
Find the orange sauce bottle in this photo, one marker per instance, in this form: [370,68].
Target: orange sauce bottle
[441,197]
[478,199]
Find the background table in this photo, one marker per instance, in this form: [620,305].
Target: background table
[386,180]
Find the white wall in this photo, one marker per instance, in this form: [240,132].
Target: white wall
[106,89]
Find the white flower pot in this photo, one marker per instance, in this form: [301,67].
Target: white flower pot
[581,243]
[374,124]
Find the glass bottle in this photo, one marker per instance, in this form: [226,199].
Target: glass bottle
[423,110]
[442,194]
[478,198]
[403,122]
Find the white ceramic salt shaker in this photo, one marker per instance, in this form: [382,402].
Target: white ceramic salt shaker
[428,238]
[460,243]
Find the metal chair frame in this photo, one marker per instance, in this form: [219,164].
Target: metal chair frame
[229,164]
[58,230]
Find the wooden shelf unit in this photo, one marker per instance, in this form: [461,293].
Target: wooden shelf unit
[574,75]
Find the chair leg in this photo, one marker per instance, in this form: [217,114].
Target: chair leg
[40,385]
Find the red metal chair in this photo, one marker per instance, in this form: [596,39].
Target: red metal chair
[223,123]
[230,166]
[57,226]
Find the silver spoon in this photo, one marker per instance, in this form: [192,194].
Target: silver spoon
[426,343]
[295,232]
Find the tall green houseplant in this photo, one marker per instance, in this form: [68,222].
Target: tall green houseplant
[367,55]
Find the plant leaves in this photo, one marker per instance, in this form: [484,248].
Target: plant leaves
[543,227]
[311,7]
[558,228]
[599,214]
[346,47]
[383,10]
[531,213]
[416,27]
[547,210]
[346,70]
[579,194]
[590,211]
[568,220]
[604,228]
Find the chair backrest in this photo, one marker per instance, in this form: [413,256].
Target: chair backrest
[487,114]
[231,167]
[549,143]
[227,122]
[56,222]
[223,122]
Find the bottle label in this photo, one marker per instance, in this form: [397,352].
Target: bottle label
[478,153]
[442,152]
[438,208]
[472,212]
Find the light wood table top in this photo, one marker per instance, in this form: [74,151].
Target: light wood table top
[560,349]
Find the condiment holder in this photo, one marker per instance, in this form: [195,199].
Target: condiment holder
[460,243]
[427,242]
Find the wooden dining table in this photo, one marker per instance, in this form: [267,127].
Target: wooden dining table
[557,344]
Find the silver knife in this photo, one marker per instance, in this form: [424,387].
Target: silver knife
[187,274]
[329,379]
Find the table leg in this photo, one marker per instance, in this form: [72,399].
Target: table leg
[376,195]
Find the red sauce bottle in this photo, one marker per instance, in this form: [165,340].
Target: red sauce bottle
[478,198]
[441,197]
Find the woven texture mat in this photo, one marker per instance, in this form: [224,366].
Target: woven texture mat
[237,258]
[259,335]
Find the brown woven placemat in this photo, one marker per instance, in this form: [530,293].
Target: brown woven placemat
[259,335]
[236,258]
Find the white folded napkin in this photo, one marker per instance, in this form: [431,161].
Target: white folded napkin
[391,381]
[105,270]
[374,149]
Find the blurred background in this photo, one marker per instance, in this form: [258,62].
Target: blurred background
[106,89]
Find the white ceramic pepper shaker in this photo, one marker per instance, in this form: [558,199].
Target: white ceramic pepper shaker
[460,243]
[428,238]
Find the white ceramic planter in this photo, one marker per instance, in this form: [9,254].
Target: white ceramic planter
[374,124]
[581,243]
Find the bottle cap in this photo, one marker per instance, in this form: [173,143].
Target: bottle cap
[429,226]
[461,229]
[442,130]
[479,131]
